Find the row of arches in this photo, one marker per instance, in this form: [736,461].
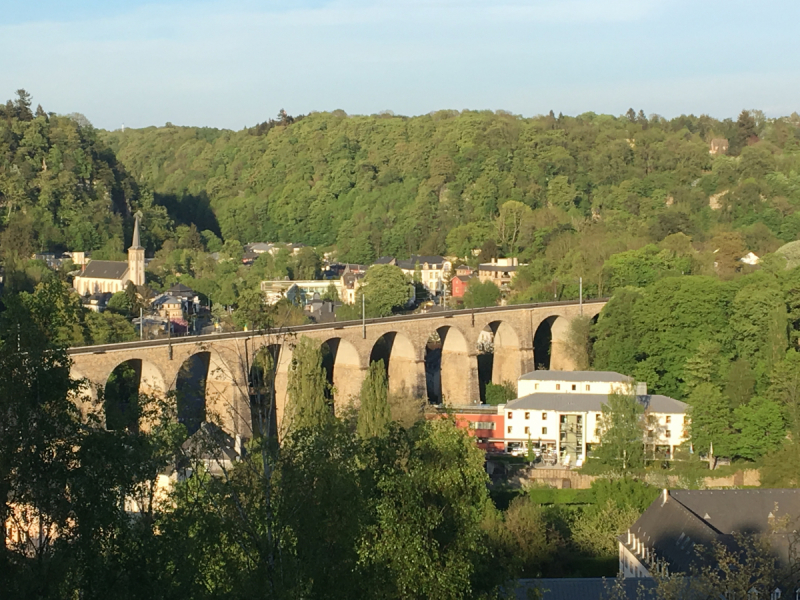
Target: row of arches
[440,371]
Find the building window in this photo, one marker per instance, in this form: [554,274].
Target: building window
[574,387]
[527,416]
[544,430]
[536,386]
[482,425]
[544,416]
[509,429]
[669,419]
[527,430]
[669,433]
[588,387]
[558,386]
[510,414]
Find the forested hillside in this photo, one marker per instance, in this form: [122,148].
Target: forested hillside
[563,193]
[60,186]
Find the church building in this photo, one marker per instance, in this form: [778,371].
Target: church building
[109,276]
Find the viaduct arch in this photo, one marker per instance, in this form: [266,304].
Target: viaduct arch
[349,348]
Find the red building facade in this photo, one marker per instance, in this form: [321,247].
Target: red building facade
[481,422]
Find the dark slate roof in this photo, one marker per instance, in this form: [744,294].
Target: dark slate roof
[730,511]
[689,518]
[384,260]
[412,262]
[579,402]
[105,269]
[579,376]
[585,588]
[181,291]
[463,278]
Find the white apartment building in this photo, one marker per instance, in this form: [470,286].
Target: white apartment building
[562,412]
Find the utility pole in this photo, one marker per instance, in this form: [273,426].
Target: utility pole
[363,316]
[580,287]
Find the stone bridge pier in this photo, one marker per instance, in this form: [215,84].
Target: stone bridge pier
[522,338]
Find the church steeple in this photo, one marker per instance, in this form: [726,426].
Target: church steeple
[136,243]
[136,256]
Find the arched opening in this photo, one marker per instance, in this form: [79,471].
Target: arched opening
[190,391]
[342,366]
[433,368]
[403,370]
[485,348]
[124,391]
[550,345]
[263,371]
[121,398]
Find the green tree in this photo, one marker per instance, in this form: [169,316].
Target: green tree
[307,407]
[374,414]
[712,421]
[109,328]
[761,428]
[385,290]
[500,393]
[431,498]
[119,303]
[480,294]
[622,432]
[307,264]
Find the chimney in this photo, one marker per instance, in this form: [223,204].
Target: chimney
[641,388]
[664,496]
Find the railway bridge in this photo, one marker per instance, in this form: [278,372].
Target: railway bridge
[435,354]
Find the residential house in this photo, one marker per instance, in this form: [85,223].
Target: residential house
[299,292]
[351,281]
[499,271]
[433,270]
[665,538]
[458,285]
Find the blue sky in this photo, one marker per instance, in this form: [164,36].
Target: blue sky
[235,63]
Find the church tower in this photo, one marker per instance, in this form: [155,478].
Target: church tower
[136,257]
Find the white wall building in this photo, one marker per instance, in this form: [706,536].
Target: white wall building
[562,412]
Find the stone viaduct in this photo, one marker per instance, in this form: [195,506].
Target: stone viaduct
[402,341]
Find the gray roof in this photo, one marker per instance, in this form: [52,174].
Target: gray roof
[584,588]
[498,268]
[580,376]
[578,402]
[688,518]
[105,269]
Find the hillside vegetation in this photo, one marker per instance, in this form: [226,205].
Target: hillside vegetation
[563,193]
